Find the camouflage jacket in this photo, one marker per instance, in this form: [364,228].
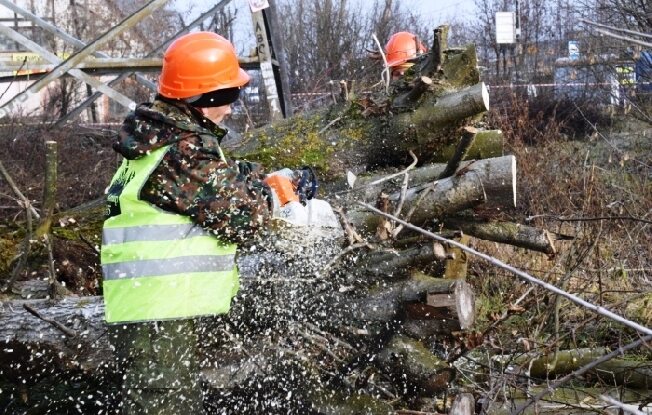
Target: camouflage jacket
[224,196]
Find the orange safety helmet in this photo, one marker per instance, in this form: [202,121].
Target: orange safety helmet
[402,47]
[197,63]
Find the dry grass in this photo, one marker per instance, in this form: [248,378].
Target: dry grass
[86,163]
[606,174]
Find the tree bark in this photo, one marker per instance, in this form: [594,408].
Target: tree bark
[453,310]
[630,373]
[510,233]
[470,187]
[498,176]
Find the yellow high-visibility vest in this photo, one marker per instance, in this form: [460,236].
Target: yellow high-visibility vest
[159,265]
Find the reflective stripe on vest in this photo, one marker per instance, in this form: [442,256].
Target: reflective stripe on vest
[159,265]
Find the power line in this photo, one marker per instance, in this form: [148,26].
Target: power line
[618,29]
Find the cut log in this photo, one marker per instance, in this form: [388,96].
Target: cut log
[498,176]
[448,108]
[511,233]
[468,188]
[443,311]
[464,404]
[410,363]
[388,303]
[446,197]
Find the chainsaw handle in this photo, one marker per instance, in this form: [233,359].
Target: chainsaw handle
[307,185]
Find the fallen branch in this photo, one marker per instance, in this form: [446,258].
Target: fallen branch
[630,409]
[17,191]
[577,300]
[68,332]
[563,219]
[511,233]
[580,371]
[468,135]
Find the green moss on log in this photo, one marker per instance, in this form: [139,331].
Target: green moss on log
[487,144]
[461,67]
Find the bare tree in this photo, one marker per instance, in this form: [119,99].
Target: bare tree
[330,39]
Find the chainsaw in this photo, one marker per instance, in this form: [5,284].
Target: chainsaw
[294,201]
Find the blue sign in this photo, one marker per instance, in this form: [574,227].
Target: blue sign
[573,50]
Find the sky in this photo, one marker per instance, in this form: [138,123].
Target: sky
[441,10]
[436,11]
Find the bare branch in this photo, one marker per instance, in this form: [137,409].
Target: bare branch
[626,408]
[597,218]
[18,193]
[468,136]
[68,332]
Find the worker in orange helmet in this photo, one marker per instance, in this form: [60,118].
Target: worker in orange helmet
[177,208]
[401,50]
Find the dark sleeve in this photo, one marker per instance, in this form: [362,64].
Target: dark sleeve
[226,197]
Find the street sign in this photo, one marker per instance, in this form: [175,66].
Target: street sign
[258,5]
[505,27]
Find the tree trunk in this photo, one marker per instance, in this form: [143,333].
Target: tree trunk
[87,347]
[510,233]
[448,310]
[498,177]
[473,185]
[365,133]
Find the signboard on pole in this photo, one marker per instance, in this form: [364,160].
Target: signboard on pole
[258,5]
[573,50]
[505,27]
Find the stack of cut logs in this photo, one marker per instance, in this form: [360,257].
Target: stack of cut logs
[366,323]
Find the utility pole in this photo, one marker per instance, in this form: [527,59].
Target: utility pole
[516,51]
[266,69]
[273,65]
